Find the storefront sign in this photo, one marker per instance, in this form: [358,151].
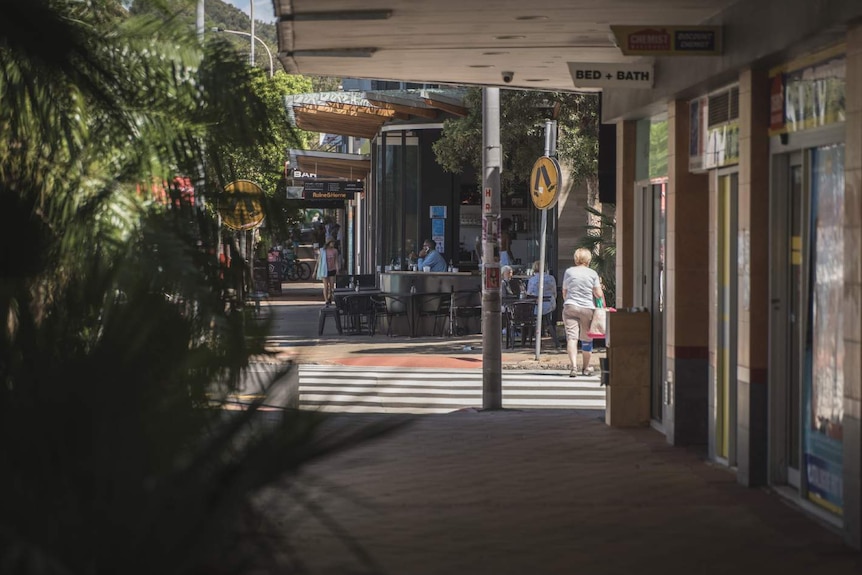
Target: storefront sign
[587,75]
[331,189]
[668,40]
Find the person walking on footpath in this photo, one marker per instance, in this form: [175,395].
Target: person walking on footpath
[581,289]
[328,266]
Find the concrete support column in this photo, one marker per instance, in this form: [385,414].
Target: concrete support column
[752,411]
[625,262]
[852,422]
[687,325]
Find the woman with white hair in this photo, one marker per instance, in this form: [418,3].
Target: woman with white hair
[510,286]
[581,289]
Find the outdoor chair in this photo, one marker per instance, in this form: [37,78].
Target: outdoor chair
[522,317]
[359,314]
[394,306]
[437,307]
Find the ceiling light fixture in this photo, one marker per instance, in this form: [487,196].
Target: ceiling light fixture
[335,16]
[334,53]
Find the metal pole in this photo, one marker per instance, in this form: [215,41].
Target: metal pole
[199,20]
[251,14]
[262,43]
[550,150]
[492,356]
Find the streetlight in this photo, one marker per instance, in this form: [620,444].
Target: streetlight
[241,33]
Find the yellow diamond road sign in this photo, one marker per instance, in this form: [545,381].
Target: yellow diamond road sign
[545,182]
[240,206]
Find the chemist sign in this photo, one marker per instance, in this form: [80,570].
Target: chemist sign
[593,75]
[668,40]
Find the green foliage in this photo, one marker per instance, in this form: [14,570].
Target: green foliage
[658,149]
[522,134]
[262,160]
[600,239]
[118,353]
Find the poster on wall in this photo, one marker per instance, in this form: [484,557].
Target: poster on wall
[805,95]
[438,233]
[722,145]
[823,384]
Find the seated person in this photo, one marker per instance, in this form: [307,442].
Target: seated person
[511,285]
[549,297]
[429,256]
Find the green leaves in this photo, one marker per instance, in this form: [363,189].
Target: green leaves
[522,121]
[117,351]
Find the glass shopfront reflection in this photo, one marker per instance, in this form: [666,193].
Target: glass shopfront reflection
[397,183]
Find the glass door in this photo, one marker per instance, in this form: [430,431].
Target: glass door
[806,371]
[657,279]
[823,376]
[649,282]
[728,278]
[796,226]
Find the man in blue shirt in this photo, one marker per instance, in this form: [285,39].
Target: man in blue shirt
[429,256]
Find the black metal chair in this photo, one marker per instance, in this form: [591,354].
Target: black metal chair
[391,306]
[440,312]
[325,312]
[522,317]
[549,325]
[465,305]
[359,314]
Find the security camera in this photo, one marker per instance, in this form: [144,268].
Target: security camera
[508,76]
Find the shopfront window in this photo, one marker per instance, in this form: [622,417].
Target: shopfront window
[397,179]
[823,397]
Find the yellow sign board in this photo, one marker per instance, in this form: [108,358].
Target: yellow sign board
[545,182]
[240,207]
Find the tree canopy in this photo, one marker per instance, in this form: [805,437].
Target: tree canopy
[522,125]
[120,345]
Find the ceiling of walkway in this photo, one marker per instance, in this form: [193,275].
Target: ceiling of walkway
[468,41]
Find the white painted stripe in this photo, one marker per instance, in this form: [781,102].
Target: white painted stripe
[352,389]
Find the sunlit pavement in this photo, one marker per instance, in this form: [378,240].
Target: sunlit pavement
[518,490]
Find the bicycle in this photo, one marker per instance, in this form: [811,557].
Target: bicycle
[295,270]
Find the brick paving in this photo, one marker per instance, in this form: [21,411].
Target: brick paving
[531,492]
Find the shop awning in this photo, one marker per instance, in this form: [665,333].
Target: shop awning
[344,119]
[331,164]
[363,114]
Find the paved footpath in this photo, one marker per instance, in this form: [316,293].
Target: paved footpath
[543,492]
[295,321]
[526,492]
